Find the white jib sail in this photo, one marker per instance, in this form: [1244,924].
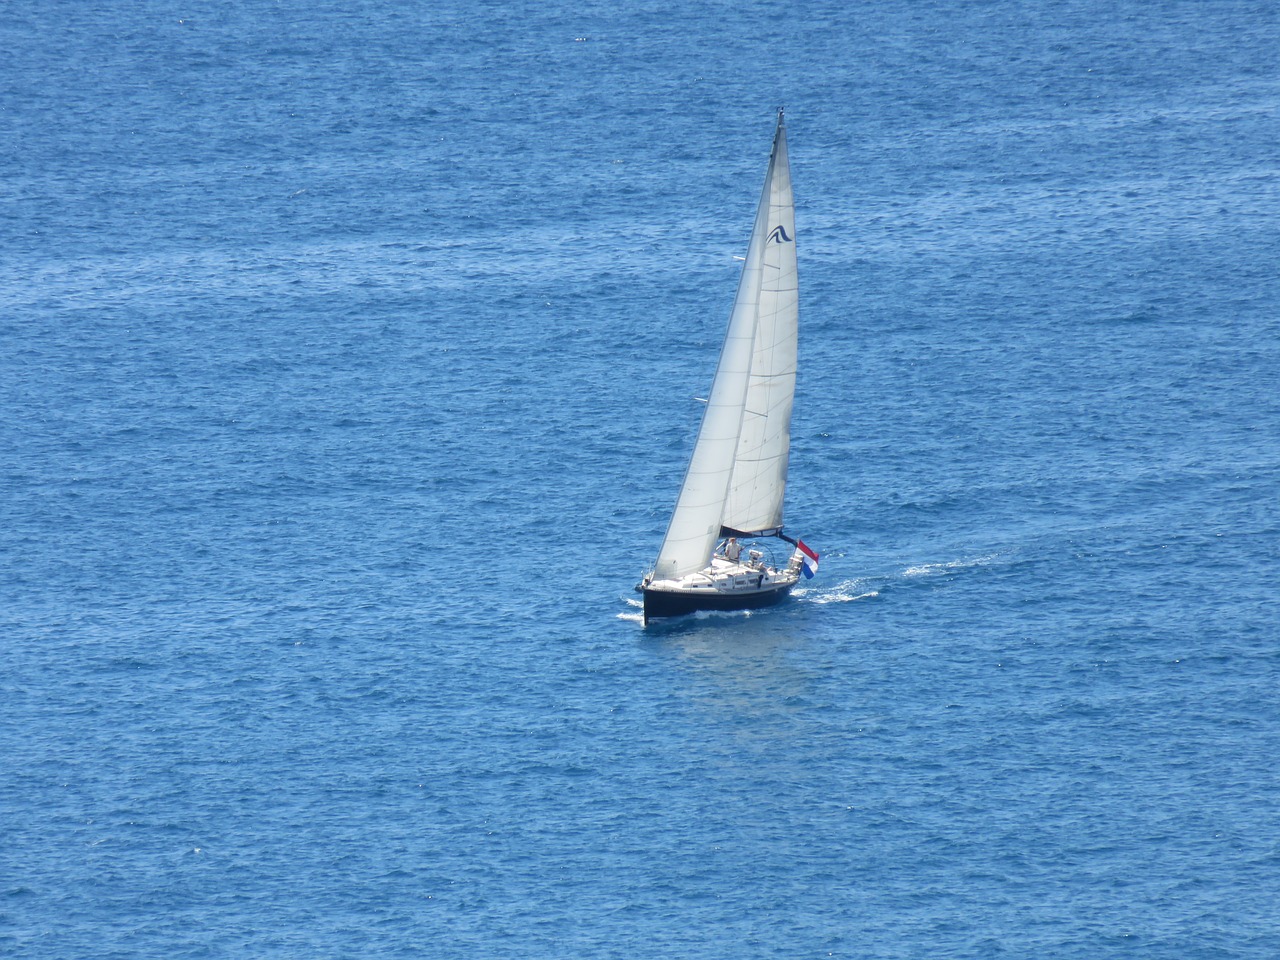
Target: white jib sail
[768,282]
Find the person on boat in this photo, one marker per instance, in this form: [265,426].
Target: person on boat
[732,550]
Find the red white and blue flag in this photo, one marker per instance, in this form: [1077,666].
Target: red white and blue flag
[808,560]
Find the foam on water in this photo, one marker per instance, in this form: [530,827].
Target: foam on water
[843,592]
[947,567]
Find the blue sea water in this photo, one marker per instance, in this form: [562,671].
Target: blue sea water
[349,361]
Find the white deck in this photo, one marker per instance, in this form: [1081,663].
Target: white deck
[725,576]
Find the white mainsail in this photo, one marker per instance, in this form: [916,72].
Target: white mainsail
[764,442]
[737,474]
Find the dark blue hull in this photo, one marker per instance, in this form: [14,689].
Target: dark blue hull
[671,603]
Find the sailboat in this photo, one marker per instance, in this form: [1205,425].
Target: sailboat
[736,479]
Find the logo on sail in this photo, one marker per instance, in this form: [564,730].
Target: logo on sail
[778,235]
